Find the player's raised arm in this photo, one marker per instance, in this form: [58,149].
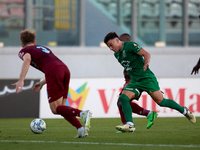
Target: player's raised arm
[146,56]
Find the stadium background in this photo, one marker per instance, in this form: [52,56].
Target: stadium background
[74,30]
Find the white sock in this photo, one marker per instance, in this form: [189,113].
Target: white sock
[130,123]
[184,112]
[81,113]
[80,129]
[149,113]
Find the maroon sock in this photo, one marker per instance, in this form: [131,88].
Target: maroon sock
[138,110]
[67,111]
[145,112]
[73,121]
[122,115]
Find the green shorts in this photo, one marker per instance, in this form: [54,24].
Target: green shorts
[149,85]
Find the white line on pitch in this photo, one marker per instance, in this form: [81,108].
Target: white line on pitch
[97,143]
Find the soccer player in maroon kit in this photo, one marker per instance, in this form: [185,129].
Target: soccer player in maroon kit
[57,77]
[151,115]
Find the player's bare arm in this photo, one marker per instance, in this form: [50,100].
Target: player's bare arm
[146,56]
[25,66]
[38,86]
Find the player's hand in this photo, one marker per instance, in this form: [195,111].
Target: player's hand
[195,70]
[37,87]
[19,84]
[145,66]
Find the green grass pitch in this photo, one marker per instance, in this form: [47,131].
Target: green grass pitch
[166,133]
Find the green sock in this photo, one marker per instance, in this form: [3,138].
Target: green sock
[126,107]
[171,104]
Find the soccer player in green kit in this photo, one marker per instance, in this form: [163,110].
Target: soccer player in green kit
[151,115]
[135,61]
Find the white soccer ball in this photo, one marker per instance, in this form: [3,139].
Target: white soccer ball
[38,126]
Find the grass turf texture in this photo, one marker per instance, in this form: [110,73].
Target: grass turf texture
[166,133]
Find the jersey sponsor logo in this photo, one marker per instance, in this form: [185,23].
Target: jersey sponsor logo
[138,48]
[124,53]
[125,63]
[128,69]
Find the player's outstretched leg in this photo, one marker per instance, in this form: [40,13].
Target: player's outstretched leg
[184,110]
[151,118]
[86,116]
[190,116]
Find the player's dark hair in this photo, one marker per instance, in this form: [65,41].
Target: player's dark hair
[109,36]
[125,36]
[26,36]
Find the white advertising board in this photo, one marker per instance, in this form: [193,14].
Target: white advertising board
[100,95]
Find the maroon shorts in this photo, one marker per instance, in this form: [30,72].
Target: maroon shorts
[58,83]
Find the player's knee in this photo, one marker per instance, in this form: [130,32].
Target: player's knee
[161,103]
[131,95]
[124,98]
[54,111]
[54,106]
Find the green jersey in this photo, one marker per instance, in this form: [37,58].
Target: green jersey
[132,62]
